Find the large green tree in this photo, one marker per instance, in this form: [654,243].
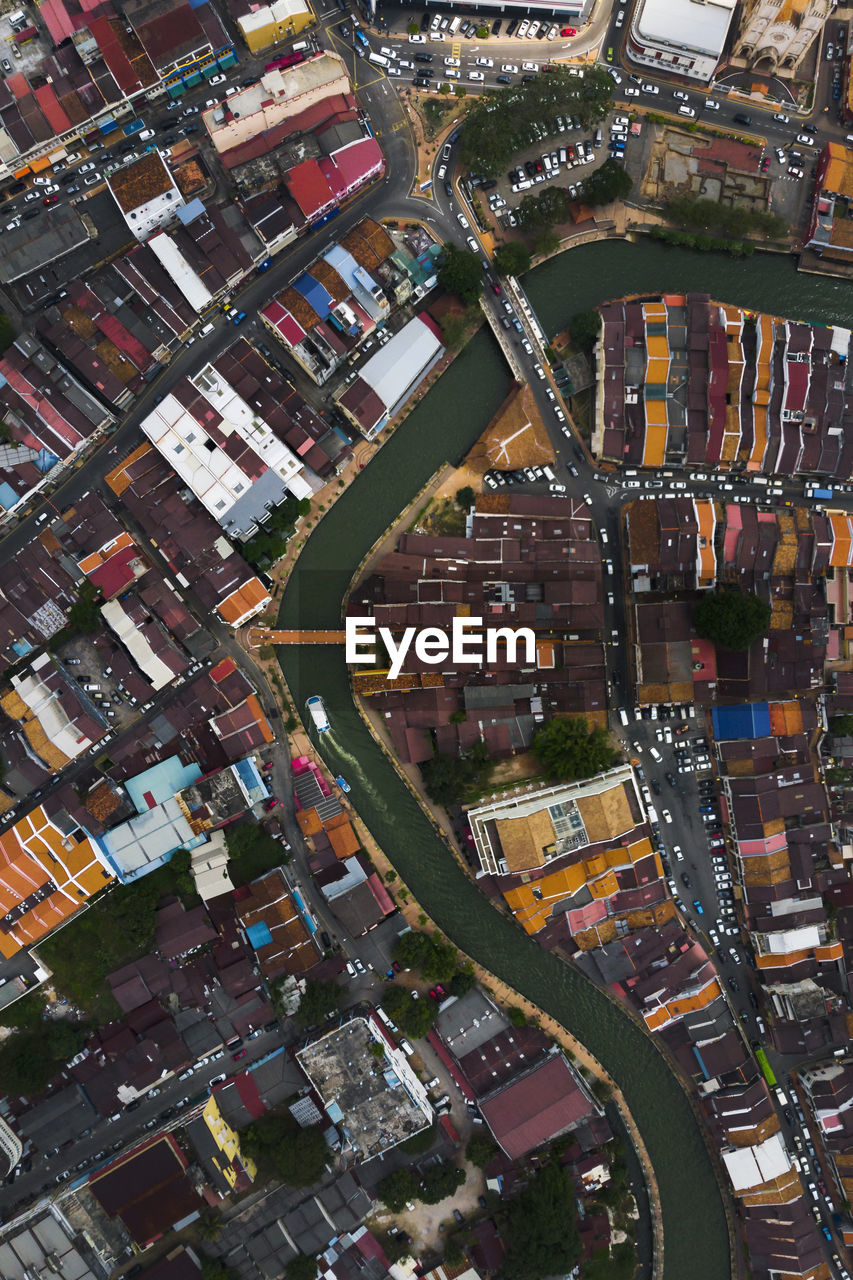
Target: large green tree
[412,949]
[512,258]
[584,327]
[606,184]
[540,1227]
[30,1059]
[281,1146]
[319,1001]
[567,748]
[396,1189]
[732,619]
[440,1181]
[461,273]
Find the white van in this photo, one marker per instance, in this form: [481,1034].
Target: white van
[379,60]
[655,754]
[208,328]
[454,26]
[548,474]
[623,716]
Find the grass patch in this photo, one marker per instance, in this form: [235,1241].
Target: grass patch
[252,851]
[443,517]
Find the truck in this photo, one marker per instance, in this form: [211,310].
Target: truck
[822,494]
[318,713]
[781,1097]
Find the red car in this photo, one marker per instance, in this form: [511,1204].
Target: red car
[440,989]
[50,200]
[496,288]
[568,31]
[241,1053]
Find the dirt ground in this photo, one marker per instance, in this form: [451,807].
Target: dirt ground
[515,768]
[424,1222]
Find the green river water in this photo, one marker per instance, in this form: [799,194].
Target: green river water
[442,428]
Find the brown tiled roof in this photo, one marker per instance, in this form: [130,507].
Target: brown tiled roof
[136,184]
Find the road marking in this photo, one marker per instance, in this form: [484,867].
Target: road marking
[456,50]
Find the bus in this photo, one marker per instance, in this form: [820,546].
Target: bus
[288,60]
[766,1069]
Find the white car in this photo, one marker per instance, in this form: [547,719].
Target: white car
[556,488]
[666,815]
[650,88]
[452,62]
[417,39]
[220,79]
[510,68]
[51,189]
[587,499]
[463,221]
[530,66]
[711,104]
[476,75]
[84,168]
[45,182]
[806,139]
[485,62]
[531,30]
[522,30]
[631,91]
[680,95]
[146,134]
[453,74]
[782,118]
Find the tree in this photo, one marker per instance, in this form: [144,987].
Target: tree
[412,28]
[215,1269]
[30,1059]
[461,273]
[301,1268]
[540,1228]
[280,1146]
[251,851]
[606,184]
[584,327]
[465,497]
[411,949]
[319,1001]
[398,1188]
[480,1150]
[731,619]
[461,982]
[85,614]
[516,1016]
[209,1222]
[512,259]
[546,242]
[453,329]
[440,1181]
[568,749]
[441,963]
[842,725]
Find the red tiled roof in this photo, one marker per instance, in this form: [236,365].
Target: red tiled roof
[535,1108]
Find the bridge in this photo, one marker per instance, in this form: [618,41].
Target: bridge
[258,636]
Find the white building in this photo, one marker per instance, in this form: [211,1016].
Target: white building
[774,37]
[146,194]
[229,457]
[683,36]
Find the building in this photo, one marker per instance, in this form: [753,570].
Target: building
[320,186]
[685,381]
[146,194]
[267,25]
[224,452]
[388,379]
[680,36]
[42,1245]
[273,921]
[11,1148]
[48,418]
[49,867]
[148,1190]
[218,1147]
[830,234]
[375,1108]
[772,38]
[536,1107]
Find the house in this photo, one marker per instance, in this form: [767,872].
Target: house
[146,194]
[274,926]
[148,1190]
[536,1107]
[387,380]
[829,234]
[266,25]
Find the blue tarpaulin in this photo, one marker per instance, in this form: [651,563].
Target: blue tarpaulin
[259,935]
[751,720]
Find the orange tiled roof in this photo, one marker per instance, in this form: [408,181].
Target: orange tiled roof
[243,602]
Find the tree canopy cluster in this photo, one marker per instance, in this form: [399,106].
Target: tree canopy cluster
[500,124]
[707,215]
[436,1184]
[270,543]
[282,1147]
[252,851]
[608,183]
[461,273]
[434,959]
[30,1059]
[732,619]
[446,777]
[703,243]
[319,1001]
[585,327]
[567,748]
[540,1227]
[413,1016]
[511,258]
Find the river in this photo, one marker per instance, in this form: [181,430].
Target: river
[441,428]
